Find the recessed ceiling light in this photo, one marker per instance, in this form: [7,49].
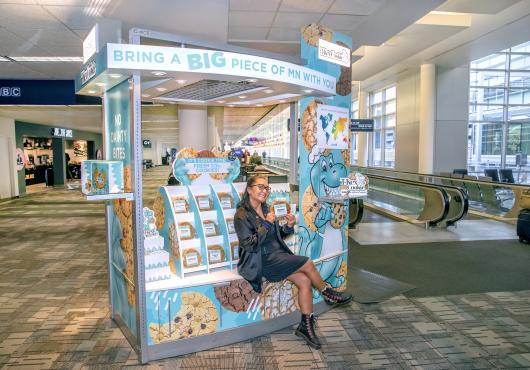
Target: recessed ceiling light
[172,102]
[268,91]
[282,101]
[251,80]
[101,84]
[181,82]
[242,96]
[145,95]
[308,91]
[161,89]
[220,101]
[159,73]
[91,91]
[259,105]
[115,75]
[231,105]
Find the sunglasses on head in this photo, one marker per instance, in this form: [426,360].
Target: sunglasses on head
[263,187]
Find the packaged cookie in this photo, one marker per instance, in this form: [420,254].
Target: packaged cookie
[210,228]
[191,258]
[280,207]
[180,204]
[186,230]
[227,202]
[204,202]
[234,248]
[230,225]
[216,254]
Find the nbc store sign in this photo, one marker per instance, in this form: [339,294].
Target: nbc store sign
[333,53]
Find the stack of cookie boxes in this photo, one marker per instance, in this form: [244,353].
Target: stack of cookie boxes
[200,229]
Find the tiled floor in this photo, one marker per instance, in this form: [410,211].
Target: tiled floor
[54,311]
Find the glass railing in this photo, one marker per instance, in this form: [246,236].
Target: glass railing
[486,198]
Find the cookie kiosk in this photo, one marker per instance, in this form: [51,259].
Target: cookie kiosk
[174,286]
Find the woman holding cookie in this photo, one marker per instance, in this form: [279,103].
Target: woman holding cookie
[264,254]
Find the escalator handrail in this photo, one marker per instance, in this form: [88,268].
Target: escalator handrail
[420,184]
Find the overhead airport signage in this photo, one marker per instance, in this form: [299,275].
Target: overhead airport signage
[362,125]
[333,53]
[161,58]
[62,132]
[12,92]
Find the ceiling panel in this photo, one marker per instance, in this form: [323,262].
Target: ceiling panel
[284,34]
[64,2]
[254,5]
[33,16]
[476,6]
[50,37]
[251,19]
[247,33]
[74,17]
[314,6]
[295,20]
[342,22]
[356,7]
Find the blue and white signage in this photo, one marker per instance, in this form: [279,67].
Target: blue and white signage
[362,125]
[160,58]
[333,53]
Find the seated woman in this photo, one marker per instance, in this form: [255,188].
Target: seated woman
[264,254]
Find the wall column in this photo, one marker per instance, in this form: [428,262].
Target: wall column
[427,116]
[362,137]
[59,163]
[193,127]
[215,126]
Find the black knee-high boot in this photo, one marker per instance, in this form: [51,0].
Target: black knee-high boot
[306,330]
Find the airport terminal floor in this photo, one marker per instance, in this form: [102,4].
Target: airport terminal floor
[470,308]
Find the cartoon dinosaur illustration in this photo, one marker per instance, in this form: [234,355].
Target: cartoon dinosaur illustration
[325,180]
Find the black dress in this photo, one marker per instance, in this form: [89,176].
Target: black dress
[277,264]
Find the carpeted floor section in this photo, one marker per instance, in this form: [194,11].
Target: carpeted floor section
[448,268]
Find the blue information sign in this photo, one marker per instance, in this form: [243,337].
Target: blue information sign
[362,125]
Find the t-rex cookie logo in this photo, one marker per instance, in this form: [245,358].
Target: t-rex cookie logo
[356,185]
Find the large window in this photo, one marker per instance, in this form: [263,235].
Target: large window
[499,112]
[382,109]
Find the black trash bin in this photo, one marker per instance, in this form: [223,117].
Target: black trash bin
[48,176]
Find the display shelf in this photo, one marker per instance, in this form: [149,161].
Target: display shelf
[219,264]
[126,196]
[194,269]
[218,277]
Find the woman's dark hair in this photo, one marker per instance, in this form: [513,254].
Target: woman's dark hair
[245,200]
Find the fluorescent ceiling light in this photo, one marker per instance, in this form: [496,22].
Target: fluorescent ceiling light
[47,59]
[161,89]
[220,101]
[251,80]
[242,96]
[259,105]
[145,95]
[268,91]
[158,73]
[308,91]
[96,8]
[115,75]
[181,82]
[101,84]
[91,91]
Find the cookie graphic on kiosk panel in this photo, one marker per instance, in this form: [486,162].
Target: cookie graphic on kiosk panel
[310,208]
[197,316]
[314,32]
[309,125]
[340,215]
[344,82]
[237,296]
[278,299]
[173,240]
[159,210]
